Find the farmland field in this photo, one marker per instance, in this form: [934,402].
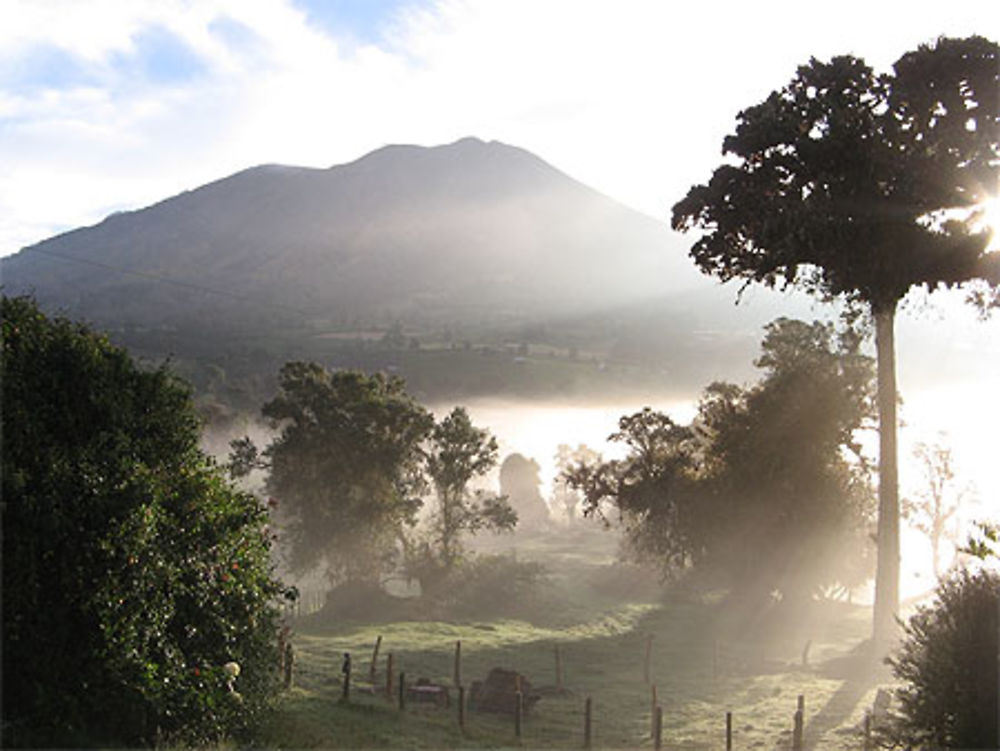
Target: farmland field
[704,660]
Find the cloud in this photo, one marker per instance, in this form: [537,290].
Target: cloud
[110,104]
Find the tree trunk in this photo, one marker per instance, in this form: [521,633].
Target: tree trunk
[887,572]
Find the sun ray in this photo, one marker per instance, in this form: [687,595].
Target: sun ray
[987,216]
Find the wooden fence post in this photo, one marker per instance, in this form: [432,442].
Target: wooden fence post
[289,660]
[729,731]
[518,709]
[652,710]
[373,666]
[388,676]
[587,717]
[457,676]
[658,728]
[798,736]
[346,670]
[461,707]
[649,654]
[868,731]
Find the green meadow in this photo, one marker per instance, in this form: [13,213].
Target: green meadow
[706,658]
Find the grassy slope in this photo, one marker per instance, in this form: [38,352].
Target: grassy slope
[704,664]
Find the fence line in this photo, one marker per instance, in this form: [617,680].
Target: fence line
[794,737]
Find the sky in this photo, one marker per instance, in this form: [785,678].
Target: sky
[109,105]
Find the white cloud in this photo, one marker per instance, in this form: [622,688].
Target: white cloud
[632,97]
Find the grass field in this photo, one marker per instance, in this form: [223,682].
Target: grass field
[704,662]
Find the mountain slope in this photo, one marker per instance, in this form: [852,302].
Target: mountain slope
[470,229]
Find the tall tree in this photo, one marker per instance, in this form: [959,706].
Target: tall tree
[346,467]
[862,186]
[459,452]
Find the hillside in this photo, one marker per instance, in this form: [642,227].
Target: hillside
[468,245]
[404,232]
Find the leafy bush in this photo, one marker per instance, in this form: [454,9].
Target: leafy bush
[949,662]
[132,571]
[491,585]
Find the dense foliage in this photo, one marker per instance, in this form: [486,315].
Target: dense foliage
[862,186]
[345,468]
[457,453]
[837,173]
[948,661]
[132,572]
[354,464]
[766,489]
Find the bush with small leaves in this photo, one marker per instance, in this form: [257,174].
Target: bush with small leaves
[134,574]
[948,660]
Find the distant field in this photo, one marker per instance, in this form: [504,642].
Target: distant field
[703,664]
[366,336]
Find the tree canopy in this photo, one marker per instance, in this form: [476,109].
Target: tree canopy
[765,490]
[457,453]
[346,467]
[862,186]
[132,571]
[355,462]
[840,175]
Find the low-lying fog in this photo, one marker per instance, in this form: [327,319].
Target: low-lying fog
[948,376]
[961,416]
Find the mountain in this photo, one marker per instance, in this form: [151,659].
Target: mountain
[409,259]
[405,232]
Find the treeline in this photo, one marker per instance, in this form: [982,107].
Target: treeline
[354,459]
[767,491]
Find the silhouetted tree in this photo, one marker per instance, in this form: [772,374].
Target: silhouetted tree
[766,490]
[519,482]
[860,186]
[459,452]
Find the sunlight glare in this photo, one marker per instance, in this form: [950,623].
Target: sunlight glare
[989,219]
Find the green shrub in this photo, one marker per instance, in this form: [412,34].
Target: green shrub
[948,660]
[132,570]
[491,586]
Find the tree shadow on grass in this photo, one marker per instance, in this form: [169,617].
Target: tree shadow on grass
[861,670]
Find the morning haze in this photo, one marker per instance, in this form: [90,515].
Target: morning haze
[441,447]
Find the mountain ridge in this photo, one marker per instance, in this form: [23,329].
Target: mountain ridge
[380,233]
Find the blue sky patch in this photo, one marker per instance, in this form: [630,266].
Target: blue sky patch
[46,66]
[362,20]
[160,56]
[235,35]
